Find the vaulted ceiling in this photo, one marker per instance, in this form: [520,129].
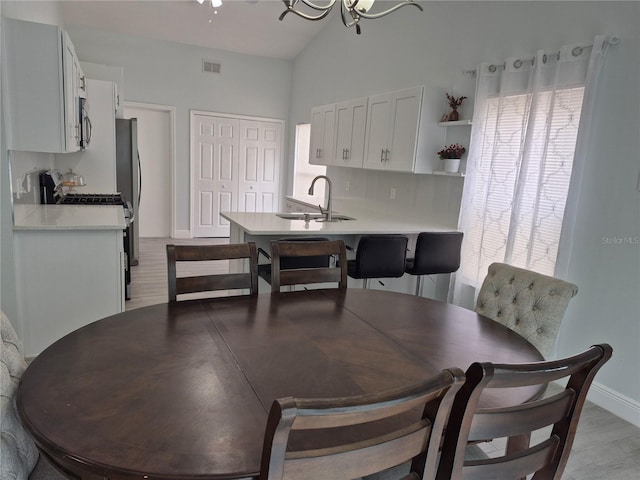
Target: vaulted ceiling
[242,26]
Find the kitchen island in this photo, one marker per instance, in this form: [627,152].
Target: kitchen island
[69,263]
[244,224]
[261,228]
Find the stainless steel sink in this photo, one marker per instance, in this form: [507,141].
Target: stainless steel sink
[318,217]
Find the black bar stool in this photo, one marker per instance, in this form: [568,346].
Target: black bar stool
[379,256]
[436,252]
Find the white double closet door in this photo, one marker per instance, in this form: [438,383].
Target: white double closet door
[235,167]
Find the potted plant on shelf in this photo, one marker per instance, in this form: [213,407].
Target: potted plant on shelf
[454,103]
[451,155]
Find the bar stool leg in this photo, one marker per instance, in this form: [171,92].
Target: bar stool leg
[365,283]
[419,285]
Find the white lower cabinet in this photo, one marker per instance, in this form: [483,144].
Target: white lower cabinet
[66,279]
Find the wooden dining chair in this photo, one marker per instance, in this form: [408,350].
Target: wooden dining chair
[529,303]
[290,263]
[546,460]
[203,283]
[299,276]
[347,438]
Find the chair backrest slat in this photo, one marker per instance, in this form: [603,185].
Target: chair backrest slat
[200,253]
[377,454]
[508,422]
[316,249]
[517,466]
[368,434]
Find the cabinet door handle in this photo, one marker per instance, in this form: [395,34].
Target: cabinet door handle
[386,155]
[382,155]
[346,157]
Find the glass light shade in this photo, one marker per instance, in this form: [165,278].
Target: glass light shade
[216,3]
[362,6]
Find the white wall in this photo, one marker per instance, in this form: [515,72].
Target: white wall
[169,73]
[434,48]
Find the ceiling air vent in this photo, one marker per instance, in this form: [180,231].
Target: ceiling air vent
[211,67]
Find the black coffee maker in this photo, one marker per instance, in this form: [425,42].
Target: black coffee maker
[48,184]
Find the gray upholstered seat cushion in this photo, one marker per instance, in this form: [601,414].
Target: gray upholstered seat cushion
[527,302]
[18,453]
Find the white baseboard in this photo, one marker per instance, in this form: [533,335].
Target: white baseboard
[620,405]
[182,234]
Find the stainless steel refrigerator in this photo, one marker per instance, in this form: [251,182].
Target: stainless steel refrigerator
[129,176]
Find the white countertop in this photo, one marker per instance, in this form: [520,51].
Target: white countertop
[68,217]
[364,223]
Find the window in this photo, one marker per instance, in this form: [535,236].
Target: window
[304,172]
[523,173]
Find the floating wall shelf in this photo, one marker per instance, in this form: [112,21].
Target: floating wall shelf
[457,123]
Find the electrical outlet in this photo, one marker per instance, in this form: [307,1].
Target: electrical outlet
[347,186]
[392,193]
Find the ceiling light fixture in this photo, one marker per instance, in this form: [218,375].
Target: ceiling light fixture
[351,10]
[214,3]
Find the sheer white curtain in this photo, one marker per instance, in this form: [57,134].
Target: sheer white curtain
[525,160]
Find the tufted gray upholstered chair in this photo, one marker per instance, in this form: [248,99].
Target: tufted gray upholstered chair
[529,303]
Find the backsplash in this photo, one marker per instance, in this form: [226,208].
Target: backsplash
[25,187]
[431,198]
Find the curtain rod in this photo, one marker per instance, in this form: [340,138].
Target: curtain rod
[613,40]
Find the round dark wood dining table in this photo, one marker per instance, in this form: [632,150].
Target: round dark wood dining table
[182,390]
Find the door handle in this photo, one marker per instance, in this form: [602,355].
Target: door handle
[386,155]
[346,157]
[382,155]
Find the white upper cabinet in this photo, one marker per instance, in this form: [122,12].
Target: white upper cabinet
[402,133]
[395,131]
[42,87]
[351,119]
[321,149]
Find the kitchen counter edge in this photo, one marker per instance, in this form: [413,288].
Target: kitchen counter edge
[271,224]
[67,217]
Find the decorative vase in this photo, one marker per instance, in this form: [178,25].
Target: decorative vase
[451,165]
[453,115]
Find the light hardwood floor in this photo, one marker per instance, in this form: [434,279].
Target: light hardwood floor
[605,447]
